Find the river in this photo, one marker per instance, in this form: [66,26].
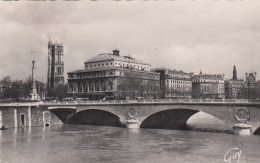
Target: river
[83,143]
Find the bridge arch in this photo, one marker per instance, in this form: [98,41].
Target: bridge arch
[171,119]
[97,117]
[257,131]
[63,113]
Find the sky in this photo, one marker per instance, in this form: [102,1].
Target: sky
[191,35]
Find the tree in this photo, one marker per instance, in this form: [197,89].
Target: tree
[58,92]
[27,86]
[6,90]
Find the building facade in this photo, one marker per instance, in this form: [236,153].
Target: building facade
[235,88]
[206,86]
[55,65]
[251,85]
[174,84]
[112,76]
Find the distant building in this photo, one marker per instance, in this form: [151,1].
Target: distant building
[112,76]
[174,84]
[235,88]
[208,86]
[251,85]
[55,64]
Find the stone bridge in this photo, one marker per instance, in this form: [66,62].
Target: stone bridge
[172,114]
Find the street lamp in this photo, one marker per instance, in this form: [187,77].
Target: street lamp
[248,89]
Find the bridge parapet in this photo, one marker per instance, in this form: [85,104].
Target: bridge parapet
[22,104]
[161,101]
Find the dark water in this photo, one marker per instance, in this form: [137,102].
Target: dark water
[79,143]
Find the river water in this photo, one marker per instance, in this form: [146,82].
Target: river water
[82,143]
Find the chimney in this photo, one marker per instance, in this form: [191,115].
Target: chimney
[116,52]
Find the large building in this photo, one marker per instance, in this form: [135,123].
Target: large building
[174,84]
[55,65]
[206,86]
[112,76]
[235,88]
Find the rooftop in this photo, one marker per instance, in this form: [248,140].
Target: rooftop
[109,57]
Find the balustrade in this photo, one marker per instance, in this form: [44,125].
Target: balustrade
[161,101]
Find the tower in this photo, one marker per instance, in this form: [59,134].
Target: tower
[55,64]
[34,94]
[234,73]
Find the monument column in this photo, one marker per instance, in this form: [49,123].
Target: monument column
[34,94]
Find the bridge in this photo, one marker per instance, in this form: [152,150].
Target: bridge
[166,114]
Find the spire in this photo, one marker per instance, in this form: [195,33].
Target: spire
[234,73]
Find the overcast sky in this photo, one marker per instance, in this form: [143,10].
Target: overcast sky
[210,36]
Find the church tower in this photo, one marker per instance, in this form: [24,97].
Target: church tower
[234,73]
[55,64]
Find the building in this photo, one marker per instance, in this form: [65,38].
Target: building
[206,86]
[174,84]
[251,85]
[112,76]
[55,65]
[234,88]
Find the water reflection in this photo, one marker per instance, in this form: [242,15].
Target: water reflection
[80,143]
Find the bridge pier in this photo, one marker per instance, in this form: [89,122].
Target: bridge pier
[242,129]
[132,123]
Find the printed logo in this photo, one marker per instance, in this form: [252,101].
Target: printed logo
[233,155]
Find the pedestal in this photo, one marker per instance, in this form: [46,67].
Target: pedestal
[132,123]
[242,129]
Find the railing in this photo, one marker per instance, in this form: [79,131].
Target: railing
[242,101]
[22,103]
[151,101]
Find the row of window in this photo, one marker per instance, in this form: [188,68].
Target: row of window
[112,72]
[208,81]
[179,86]
[119,65]
[98,65]
[178,81]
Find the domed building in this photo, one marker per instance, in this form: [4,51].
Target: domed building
[112,76]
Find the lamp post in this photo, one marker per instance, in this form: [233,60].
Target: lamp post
[248,89]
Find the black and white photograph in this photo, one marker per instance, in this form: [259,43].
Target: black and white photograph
[130,81]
